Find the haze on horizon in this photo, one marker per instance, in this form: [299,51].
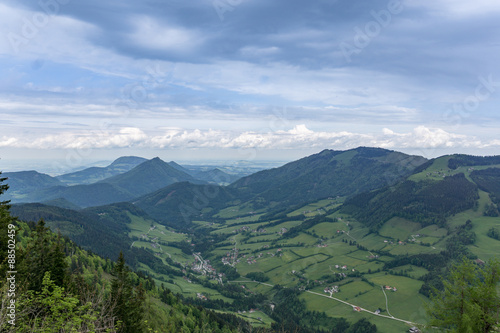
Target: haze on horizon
[246,80]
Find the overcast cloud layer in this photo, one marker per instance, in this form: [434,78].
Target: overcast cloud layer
[280,75]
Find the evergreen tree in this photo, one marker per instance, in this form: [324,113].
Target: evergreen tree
[5,220]
[469,301]
[43,255]
[129,303]
[362,326]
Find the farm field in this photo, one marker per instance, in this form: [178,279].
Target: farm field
[337,250]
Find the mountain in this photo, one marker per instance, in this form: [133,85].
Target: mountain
[399,222]
[424,202]
[103,230]
[61,203]
[95,174]
[488,180]
[178,167]
[179,203]
[438,189]
[148,177]
[82,195]
[22,183]
[85,285]
[328,174]
[145,178]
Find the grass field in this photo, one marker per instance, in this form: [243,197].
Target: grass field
[439,169]
[235,211]
[315,208]
[318,254]
[336,309]
[399,228]
[256,318]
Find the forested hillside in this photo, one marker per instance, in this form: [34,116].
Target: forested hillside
[328,174]
[426,202]
[23,183]
[62,288]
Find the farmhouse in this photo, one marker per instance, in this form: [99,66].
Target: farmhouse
[357,308]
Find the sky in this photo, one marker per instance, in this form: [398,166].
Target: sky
[246,80]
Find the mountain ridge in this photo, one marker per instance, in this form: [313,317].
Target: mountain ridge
[95,174]
[148,177]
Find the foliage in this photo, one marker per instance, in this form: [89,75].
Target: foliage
[178,204]
[53,309]
[493,233]
[5,220]
[65,289]
[258,276]
[327,174]
[424,202]
[100,229]
[362,326]
[129,308]
[468,160]
[491,210]
[488,180]
[469,301]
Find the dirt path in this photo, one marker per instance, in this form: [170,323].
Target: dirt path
[386,302]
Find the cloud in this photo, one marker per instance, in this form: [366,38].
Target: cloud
[298,137]
[8,142]
[424,137]
[151,34]
[150,64]
[459,8]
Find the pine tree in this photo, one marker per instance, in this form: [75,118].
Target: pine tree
[129,303]
[469,301]
[5,220]
[43,255]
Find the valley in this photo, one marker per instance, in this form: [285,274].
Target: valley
[362,234]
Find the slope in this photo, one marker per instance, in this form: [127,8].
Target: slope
[148,177]
[425,202]
[95,174]
[82,195]
[103,230]
[178,204]
[329,174]
[24,182]
[436,190]
[86,293]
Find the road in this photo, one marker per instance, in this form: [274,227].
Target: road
[341,301]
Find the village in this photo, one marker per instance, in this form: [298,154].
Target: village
[203,267]
[231,258]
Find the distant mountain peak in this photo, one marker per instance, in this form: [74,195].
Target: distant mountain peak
[128,159]
[94,174]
